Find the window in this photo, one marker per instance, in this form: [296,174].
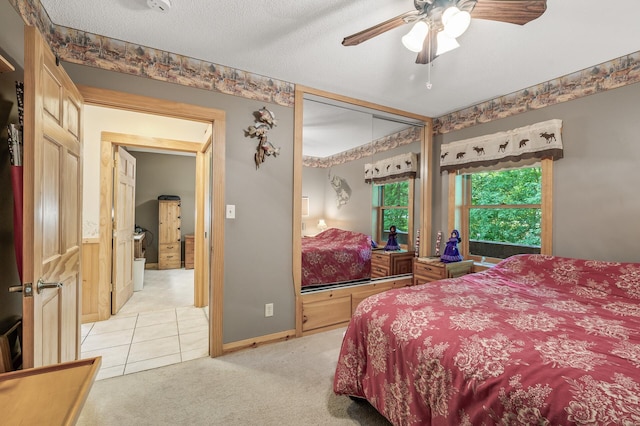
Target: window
[502,213]
[393,206]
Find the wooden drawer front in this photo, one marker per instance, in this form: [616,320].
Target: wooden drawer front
[169,261]
[380,258]
[427,271]
[169,256]
[326,312]
[458,269]
[378,271]
[379,265]
[169,248]
[403,266]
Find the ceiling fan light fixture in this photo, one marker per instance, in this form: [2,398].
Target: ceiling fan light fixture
[455,21]
[414,39]
[446,43]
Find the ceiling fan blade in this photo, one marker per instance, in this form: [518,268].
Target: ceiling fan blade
[378,29]
[511,11]
[428,52]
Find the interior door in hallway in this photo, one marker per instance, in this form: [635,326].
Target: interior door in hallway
[52,208]
[123,227]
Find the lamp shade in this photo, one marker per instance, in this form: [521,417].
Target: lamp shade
[414,39]
[455,21]
[322,225]
[446,43]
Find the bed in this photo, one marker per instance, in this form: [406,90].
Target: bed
[534,340]
[335,255]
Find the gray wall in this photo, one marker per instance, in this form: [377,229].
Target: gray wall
[164,174]
[313,186]
[596,201]
[356,214]
[258,243]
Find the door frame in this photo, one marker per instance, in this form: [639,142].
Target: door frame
[217,119]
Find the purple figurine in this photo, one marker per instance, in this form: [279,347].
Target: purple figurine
[451,253]
[392,242]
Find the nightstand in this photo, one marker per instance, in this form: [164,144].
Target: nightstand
[388,263]
[429,269]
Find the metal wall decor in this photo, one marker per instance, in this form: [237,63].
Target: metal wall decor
[342,188]
[265,121]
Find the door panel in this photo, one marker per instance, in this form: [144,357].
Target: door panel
[123,227]
[51,208]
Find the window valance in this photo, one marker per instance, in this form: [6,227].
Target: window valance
[392,169]
[531,143]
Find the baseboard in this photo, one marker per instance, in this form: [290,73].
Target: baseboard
[150,266]
[258,341]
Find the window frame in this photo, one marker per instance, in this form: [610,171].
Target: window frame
[378,211]
[459,203]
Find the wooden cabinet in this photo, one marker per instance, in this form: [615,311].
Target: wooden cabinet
[327,309]
[389,263]
[138,245]
[188,251]
[52,395]
[169,245]
[425,271]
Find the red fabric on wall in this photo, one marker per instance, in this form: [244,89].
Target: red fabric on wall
[16,184]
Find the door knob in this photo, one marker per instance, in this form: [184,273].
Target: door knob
[42,285]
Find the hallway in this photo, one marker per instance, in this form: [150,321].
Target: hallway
[158,326]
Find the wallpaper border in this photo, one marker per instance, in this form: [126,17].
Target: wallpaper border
[94,50]
[97,51]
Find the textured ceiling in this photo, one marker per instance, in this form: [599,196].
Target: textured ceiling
[299,41]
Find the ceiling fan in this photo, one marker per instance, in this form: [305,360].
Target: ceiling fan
[437,23]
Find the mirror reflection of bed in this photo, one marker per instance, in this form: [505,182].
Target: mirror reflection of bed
[340,143]
[348,158]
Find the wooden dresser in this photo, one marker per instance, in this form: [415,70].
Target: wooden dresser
[426,271]
[189,241]
[388,263]
[169,245]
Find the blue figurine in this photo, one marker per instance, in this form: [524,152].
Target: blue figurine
[451,253]
[392,242]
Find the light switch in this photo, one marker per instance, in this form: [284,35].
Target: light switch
[231,211]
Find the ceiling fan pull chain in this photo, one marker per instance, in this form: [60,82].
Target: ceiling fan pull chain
[430,64]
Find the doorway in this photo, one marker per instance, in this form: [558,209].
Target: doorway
[208,251]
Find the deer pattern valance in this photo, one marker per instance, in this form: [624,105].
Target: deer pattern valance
[392,169]
[537,141]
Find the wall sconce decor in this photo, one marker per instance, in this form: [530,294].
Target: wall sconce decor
[342,188]
[322,225]
[265,121]
[305,206]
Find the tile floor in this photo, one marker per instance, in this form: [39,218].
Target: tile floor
[158,326]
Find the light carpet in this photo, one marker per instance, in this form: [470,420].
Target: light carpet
[285,383]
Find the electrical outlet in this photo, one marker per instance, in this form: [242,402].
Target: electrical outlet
[268,310]
[231,211]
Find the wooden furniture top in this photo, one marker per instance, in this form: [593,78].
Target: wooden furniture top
[5,66]
[53,394]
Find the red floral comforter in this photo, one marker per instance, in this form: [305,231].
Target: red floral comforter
[335,255]
[535,340]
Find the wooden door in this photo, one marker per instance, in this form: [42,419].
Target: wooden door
[124,197]
[52,208]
